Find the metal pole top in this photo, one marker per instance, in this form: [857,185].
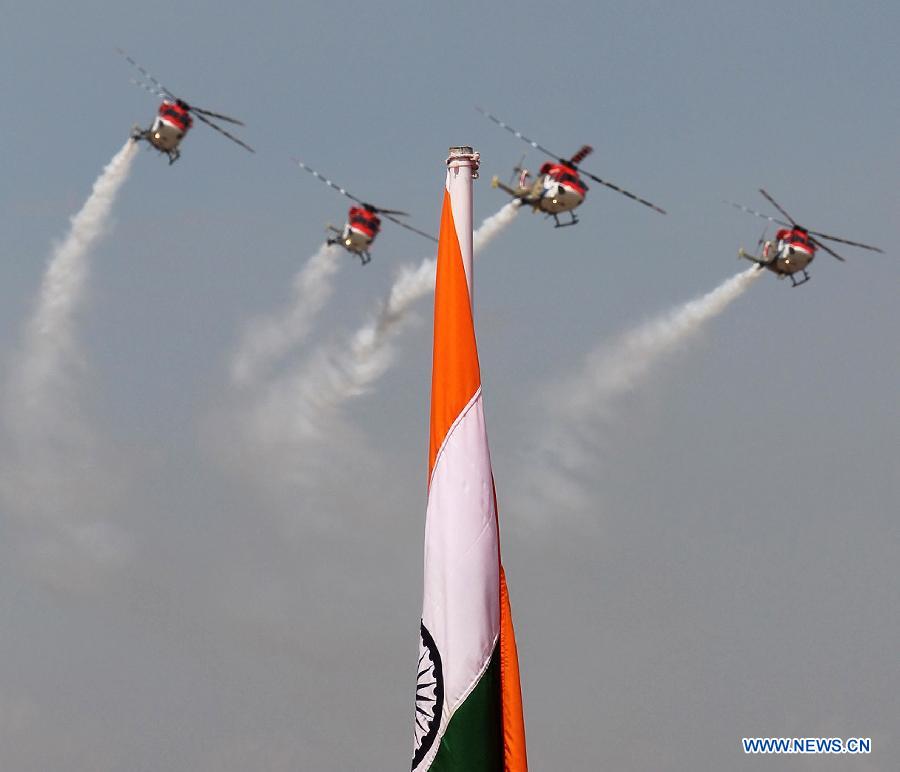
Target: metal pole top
[462,156]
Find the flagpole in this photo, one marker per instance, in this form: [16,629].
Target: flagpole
[462,168]
[468,703]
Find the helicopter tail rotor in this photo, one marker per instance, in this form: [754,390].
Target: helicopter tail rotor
[583,153]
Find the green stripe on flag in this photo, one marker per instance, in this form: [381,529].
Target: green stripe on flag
[473,741]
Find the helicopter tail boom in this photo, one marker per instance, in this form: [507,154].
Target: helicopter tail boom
[497,183]
[744,254]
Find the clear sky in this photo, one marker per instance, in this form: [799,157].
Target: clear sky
[734,571]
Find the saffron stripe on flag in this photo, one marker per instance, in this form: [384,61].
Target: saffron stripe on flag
[468,702]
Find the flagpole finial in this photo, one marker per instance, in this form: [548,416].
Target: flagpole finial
[464,155]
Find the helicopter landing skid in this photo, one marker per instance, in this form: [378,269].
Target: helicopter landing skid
[795,283]
[573,221]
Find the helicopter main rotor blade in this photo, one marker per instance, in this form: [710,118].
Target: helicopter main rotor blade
[389,214]
[163,91]
[793,224]
[211,114]
[379,210]
[624,192]
[149,89]
[827,249]
[748,210]
[408,227]
[208,122]
[778,206]
[520,135]
[328,182]
[845,241]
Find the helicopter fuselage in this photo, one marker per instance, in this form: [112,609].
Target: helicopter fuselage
[557,196]
[789,253]
[168,129]
[164,136]
[787,258]
[175,117]
[358,233]
[794,246]
[354,240]
[363,223]
[557,188]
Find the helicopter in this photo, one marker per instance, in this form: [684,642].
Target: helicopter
[363,223]
[557,188]
[174,117]
[794,246]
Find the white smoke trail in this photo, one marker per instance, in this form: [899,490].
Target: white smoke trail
[50,459]
[266,340]
[493,226]
[370,353]
[51,350]
[301,405]
[579,402]
[613,370]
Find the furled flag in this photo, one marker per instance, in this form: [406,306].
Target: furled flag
[468,713]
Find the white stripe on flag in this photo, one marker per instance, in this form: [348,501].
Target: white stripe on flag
[461,607]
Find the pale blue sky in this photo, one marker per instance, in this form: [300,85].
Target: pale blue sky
[737,573]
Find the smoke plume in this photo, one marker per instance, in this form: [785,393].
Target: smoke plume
[50,467]
[51,351]
[268,339]
[587,398]
[300,405]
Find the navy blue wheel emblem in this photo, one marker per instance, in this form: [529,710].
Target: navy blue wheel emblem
[429,696]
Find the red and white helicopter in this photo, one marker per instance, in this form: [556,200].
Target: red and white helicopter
[363,223]
[173,119]
[558,187]
[794,246]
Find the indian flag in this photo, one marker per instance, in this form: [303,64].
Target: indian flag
[468,712]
